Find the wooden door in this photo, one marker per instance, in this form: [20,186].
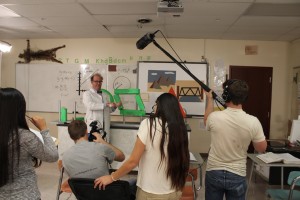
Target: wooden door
[259,100]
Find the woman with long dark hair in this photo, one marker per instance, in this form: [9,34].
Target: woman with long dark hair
[20,148]
[161,153]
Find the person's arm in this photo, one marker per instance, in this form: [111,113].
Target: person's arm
[46,151]
[119,154]
[112,105]
[260,146]
[90,103]
[210,105]
[259,139]
[129,164]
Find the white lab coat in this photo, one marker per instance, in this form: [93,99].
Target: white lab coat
[95,109]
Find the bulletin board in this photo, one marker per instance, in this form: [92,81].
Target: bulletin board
[155,78]
[48,86]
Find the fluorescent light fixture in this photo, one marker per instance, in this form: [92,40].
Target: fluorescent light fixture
[5,12]
[5,47]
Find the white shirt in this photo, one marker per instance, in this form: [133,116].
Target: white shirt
[152,177]
[231,130]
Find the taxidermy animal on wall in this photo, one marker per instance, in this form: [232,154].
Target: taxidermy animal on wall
[30,55]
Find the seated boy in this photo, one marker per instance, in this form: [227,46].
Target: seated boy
[88,159]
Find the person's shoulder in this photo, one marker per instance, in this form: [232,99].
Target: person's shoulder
[216,113]
[69,153]
[25,134]
[145,121]
[251,117]
[89,91]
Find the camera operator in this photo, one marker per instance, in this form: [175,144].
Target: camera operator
[88,159]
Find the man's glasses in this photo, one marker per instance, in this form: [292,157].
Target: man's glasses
[97,81]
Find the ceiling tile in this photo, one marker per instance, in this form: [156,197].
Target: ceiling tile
[214,9]
[121,8]
[271,9]
[268,21]
[67,21]
[203,20]
[127,19]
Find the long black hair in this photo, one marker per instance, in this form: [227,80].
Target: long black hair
[174,130]
[12,117]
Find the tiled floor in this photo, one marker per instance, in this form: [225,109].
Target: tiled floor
[48,176]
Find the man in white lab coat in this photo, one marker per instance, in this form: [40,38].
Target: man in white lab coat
[98,106]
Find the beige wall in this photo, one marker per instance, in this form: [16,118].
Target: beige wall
[294,68]
[231,52]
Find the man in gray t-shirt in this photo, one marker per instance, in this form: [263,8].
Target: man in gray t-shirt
[88,159]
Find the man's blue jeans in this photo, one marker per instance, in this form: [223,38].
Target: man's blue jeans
[220,182]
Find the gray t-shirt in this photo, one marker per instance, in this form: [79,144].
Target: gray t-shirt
[88,159]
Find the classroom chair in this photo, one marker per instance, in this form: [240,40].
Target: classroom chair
[189,191]
[62,187]
[83,189]
[288,194]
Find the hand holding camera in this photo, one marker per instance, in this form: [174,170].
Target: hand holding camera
[96,127]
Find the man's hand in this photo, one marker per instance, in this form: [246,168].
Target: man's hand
[208,94]
[98,138]
[114,105]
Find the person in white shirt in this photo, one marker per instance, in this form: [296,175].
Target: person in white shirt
[232,130]
[160,152]
[98,105]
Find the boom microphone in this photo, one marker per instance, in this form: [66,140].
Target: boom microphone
[145,40]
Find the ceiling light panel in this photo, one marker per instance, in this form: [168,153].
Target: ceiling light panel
[5,12]
[48,10]
[24,2]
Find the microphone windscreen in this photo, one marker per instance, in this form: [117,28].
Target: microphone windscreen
[144,41]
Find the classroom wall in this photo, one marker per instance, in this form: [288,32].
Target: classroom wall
[294,62]
[228,52]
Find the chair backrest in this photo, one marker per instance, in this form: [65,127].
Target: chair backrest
[294,177]
[83,189]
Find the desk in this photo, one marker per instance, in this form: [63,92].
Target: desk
[280,146]
[259,162]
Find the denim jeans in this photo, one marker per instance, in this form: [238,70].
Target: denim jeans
[221,182]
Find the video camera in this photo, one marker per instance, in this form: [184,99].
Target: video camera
[96,126]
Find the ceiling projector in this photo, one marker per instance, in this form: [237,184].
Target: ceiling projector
[169,6]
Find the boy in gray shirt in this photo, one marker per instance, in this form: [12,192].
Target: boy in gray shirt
[88,159]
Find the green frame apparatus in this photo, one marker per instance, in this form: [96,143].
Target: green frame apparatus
[127,112]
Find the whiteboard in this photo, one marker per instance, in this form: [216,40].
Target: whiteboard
[155,78]
[123,77]
[48,86]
